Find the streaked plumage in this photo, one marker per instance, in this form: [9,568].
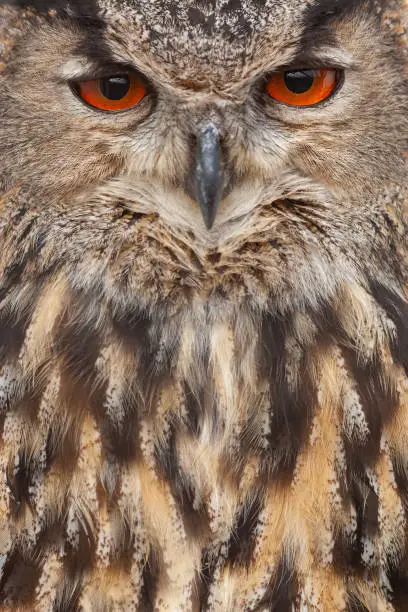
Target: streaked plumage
[192,419]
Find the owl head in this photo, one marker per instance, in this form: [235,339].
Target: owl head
[230,151]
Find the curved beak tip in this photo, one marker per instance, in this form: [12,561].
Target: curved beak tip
[208,220]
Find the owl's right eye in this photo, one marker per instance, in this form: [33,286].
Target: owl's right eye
[114,93]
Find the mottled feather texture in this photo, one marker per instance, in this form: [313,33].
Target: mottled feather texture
[198,420]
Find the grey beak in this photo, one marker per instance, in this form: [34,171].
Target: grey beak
[209,175]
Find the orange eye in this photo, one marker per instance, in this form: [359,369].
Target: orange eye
[302,87]
[114,93]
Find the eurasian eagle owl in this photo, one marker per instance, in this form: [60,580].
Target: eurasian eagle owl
[204,306]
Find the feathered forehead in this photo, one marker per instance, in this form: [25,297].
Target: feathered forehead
[236,22]
[209,39]
[188,24]
[220,39]
[233,18]
[223,35]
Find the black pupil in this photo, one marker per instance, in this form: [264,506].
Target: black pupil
[115,88]
[299,81]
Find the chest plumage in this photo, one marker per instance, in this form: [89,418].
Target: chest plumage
[216,455]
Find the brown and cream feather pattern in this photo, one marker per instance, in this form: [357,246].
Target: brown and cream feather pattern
[233,458]
[201,421]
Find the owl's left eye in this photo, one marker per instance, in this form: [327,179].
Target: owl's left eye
[304,87]
[113,93]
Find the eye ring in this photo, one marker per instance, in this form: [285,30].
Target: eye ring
[303,87]
[114,93]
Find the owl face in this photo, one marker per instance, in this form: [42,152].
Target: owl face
[225,151]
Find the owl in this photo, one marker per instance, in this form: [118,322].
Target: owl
[204,306]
